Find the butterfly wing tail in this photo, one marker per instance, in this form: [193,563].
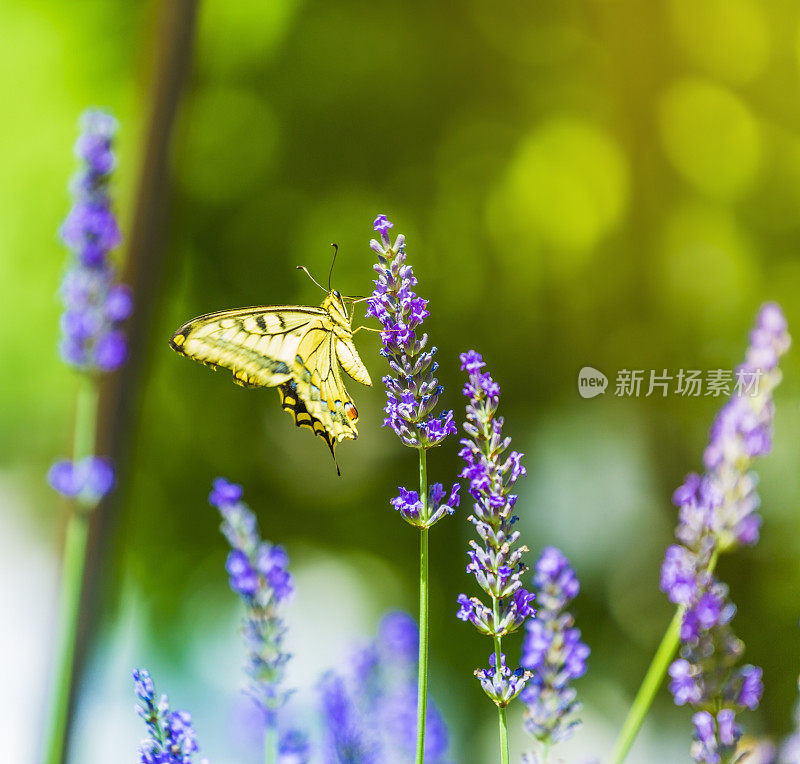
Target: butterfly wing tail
[291,402]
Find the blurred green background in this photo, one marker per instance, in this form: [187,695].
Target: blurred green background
[614,184]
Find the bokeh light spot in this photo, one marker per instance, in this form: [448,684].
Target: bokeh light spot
[711,137]
[707,272]
[566,188]
[728,38]
[235,36]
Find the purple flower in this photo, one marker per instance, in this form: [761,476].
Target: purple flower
[110,350]
[398,634]
[347,738]
[495,561]
[412,390]
[717,513]
[678,575]
[751,687]
[502,685]
[224,493]
[258,573]
[382,225]
[552,651]
[683,686]
[88,480]
[94,305]
[294,748]
[369,709]
[119,303]
[171,736]
[742,431]
[714,738]
[407,503]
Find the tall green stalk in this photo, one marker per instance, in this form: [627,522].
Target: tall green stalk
[422,664]
[501,710]
[271,744]
[649,687]
[652,681]
[71,579]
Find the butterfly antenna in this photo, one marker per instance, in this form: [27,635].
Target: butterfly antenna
[330,272]
[305,270]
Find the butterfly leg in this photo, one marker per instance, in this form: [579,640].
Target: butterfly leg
[367,329]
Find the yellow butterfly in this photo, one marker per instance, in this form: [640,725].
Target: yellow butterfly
[297,349]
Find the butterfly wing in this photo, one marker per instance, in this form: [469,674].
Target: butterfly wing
[291,402]
[319,385]
[259,345]
[351,362]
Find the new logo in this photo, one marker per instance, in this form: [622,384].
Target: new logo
[591,382]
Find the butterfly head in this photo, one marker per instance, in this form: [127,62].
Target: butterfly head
[334,303]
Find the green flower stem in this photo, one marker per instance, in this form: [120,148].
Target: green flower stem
[71,580]
[647,691]
[422,676]
[652,681]
[271,744]
[501,710]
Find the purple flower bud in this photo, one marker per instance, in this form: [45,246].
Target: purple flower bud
[398,633]
[98,476]
[683,686]
[119,303]
[678,575]
[90,479]
[382,225]
[224,493]
[704,726]
[407,503]
[728,731]
[500,683]
[111,351]
[751,688]
[64,479]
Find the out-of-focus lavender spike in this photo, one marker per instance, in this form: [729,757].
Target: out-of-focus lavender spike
[258,573]
[718,514]
[553,652]
[95,305]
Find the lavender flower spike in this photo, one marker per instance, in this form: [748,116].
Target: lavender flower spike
[369,712]
[259,574]
[171,737]
[496,562]
[718,514]
[553,652]
[94,303]
[412,390]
